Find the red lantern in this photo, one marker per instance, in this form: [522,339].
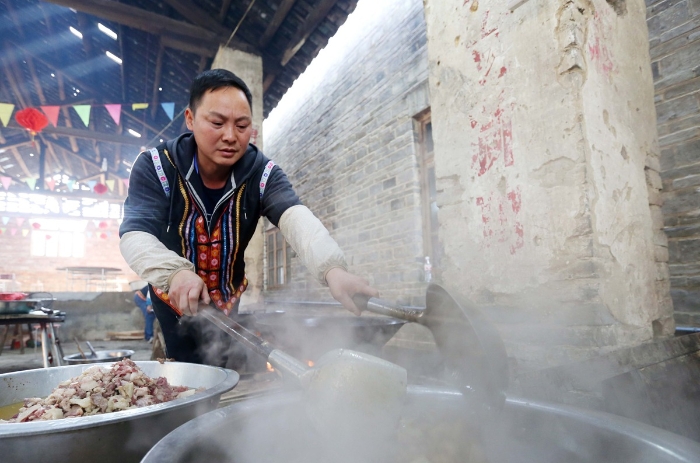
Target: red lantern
[103,225]
[100,188]
[103,236]
[32,119]
[48,237]
[36,225]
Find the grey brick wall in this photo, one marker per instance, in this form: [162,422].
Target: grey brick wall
[674,39]
[349,151]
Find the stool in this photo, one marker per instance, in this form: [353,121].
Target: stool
[15,336]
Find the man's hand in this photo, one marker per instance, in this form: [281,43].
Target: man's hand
[187,290]
[345,285]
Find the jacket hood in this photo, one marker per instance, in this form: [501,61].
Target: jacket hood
[183,148]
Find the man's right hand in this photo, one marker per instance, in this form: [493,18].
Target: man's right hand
[187,291]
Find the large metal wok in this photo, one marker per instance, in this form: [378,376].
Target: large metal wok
[274,429]
[309,336]
[118,437]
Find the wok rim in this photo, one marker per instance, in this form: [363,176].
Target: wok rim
[34,428]
[299,320]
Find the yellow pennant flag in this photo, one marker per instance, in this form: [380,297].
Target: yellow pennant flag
[5,112]
[25,232]
[110,184]
[136,106]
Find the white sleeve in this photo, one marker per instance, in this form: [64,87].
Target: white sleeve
[309,238]
[151,260]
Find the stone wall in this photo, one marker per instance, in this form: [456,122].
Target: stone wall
[545,146]
[674,40]
[347,145]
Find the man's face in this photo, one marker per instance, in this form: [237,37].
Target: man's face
[222,126]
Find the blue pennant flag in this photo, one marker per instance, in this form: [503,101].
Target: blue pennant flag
[169,109]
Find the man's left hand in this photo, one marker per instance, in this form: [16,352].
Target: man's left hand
[344,285]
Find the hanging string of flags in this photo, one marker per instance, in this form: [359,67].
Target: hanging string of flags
[102,228]
[51,184]
[83,111]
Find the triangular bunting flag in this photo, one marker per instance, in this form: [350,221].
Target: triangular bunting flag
[51,183]
[25,232]
[51,113]
[3,230]
[70,184]
[89,234]
[5,220]
[6,181]
[169,109]
[13,231]
[20,221]
[5,112]
[31,182]
[91,184]
[114,110]
[96,223]
[110,184]
[83,111]
[126,182]
[136,106]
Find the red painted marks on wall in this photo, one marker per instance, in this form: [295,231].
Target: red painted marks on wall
[495,142]
[500,220]
[598,52]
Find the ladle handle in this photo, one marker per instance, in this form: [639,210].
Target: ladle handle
[241,334]
[390,309]
[285,363]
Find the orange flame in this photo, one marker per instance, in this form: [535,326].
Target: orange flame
[310,363]
[269,367]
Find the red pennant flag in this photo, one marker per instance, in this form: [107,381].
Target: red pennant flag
[51,183]
[114,110]
[51,113]
[6,181]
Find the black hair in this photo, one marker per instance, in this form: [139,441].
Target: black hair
[213,79]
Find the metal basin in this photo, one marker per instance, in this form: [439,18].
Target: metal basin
[101,357]
[273,429]
[309,337]
[117,437]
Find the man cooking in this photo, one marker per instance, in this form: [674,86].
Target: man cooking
[193,206]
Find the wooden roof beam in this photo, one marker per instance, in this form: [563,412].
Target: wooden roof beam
[20,162]
[153,23]
[65,111]
[12,75]
[92,135]
[198,16]
[276,22]
[156,80]
[225,5]
[310,24]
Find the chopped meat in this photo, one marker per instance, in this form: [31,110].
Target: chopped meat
[101,390]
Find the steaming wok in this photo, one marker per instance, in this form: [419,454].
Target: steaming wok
[272,429]
[312,336]
[119,437]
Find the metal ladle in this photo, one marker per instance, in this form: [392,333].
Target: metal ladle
[472,350]
[344,392]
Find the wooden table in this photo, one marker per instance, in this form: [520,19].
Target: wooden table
[46,328]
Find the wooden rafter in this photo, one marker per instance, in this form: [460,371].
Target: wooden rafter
[12,75]
[15,145]
[223,12]
[156,79]
[20,162]
[64,110]
[317,15]
[61,144]
[198,16]
[122,68]
[153,23]
[93,135]
[276,22]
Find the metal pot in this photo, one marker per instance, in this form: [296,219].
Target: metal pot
[101,357]
[309,337]
[113,437]
[273,429]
